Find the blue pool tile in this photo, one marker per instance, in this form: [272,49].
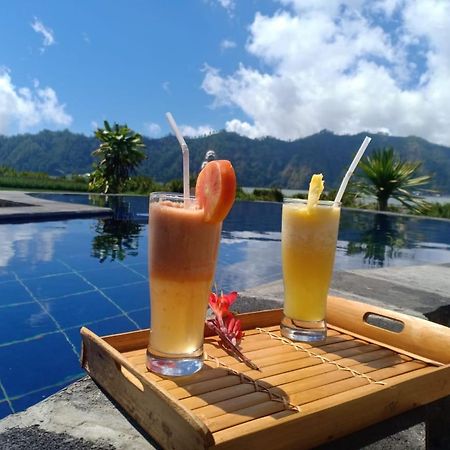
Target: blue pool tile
[76,245]
[37,364]
[111,276]
[141,268]
[74,336]
[112,326]
[56,286]
[5,410]
[40,269]
[140,257]
[13,292]
[6,275]
[84,262]
[105,327]
[130,297]
[76,310]
[141,317]
[23,321]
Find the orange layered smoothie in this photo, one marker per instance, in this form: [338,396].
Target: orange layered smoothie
[182,259]
[308,242]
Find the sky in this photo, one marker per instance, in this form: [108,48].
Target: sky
[281,68]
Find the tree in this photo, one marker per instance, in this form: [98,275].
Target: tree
[388,176]
[119,154]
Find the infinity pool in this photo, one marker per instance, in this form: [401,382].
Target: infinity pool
[59,275]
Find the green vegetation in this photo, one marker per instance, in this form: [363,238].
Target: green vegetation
[12,179]
[437,210]
[57,153]
[386,176]
[119,155]
[251,158]
[266,195]
[140,185]
[258,162]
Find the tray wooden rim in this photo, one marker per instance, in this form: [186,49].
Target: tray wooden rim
[344,316]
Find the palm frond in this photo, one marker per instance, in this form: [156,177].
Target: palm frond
[386,176]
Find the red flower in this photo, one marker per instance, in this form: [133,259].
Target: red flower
[224,319]
[220,304]
[233,329]
[227,327]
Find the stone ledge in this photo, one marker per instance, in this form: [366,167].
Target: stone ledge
[34,208]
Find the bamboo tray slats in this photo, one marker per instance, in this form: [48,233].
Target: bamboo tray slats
[232,403]
[224,379]
[313,388]
[355,372]
[211,398]
[283,359]
[372,411]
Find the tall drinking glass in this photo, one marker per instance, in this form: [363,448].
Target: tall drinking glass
[182,260]
[308,245]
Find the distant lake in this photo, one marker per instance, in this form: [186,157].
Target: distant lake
[291,192]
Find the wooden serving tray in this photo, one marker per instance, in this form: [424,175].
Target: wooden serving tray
[304,395]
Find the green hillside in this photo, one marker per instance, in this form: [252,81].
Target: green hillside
[258,162]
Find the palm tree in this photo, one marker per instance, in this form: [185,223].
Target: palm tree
[119,154]
[388,176]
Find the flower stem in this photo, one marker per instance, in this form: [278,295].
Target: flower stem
[230,346]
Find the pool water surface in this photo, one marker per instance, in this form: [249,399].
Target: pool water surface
[57,276]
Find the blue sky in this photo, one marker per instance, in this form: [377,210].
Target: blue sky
[285,68]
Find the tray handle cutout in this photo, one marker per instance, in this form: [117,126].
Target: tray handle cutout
[133,379]
[384,322]
[421,338]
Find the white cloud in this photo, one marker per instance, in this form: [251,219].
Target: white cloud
[334,64]
[226,44]
[86,37]
[189,131]
[47,33]
[152,129]
[229,5]
[24,108]
[387,7]
[166,87]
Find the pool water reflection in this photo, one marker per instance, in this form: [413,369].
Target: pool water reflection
[59,275]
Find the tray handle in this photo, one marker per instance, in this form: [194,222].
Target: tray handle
[153,408]
[410,334]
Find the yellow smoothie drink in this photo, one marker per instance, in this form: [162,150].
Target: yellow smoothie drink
[309,236]
[185,302]
[182,259]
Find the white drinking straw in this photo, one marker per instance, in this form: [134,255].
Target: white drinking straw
[185,151]
[351,169]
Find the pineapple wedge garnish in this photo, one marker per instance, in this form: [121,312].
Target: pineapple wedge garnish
[316,186]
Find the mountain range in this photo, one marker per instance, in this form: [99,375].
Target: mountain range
[265,162]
